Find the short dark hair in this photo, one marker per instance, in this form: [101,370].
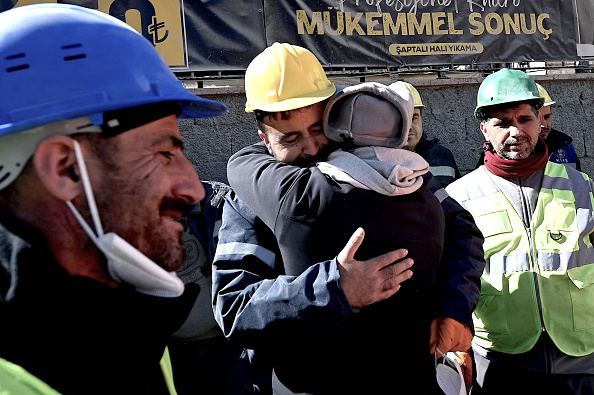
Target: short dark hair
[489,110]
[284,115]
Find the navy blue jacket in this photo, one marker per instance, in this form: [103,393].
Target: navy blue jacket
[562,150]
[441,160]
[295,309]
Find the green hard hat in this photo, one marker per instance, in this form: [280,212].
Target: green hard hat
[506,86]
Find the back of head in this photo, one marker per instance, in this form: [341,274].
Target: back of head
[506,87]
[545,95]
[370,114]
[285,77]
[63,63]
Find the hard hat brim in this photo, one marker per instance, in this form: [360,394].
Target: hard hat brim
[295,102]
[479,112]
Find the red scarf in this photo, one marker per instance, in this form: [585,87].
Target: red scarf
[516,168]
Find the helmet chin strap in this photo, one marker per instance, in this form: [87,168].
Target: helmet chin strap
[125,263]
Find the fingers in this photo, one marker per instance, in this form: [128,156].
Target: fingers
[434,330]
[385,260]
[348,252]
[368,282]
[447,334]
[394,276]
[466,365]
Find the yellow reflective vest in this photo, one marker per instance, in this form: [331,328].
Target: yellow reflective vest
[537,278]
[14,380]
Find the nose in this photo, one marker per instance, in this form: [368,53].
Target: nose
[514,130]
[186,184]
[541,119]
[311,145]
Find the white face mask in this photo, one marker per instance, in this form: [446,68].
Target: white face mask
[449,374]
[124,262]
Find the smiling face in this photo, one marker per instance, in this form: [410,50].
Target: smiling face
[513,131]
[297,138]
[142,181]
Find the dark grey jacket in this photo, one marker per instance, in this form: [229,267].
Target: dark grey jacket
[260,299]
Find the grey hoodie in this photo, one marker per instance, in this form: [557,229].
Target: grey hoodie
[376,119]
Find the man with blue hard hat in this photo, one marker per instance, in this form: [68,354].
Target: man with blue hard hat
[92,178]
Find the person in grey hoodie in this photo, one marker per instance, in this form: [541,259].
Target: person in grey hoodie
[370,182]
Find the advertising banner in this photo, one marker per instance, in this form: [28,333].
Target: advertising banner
[217,35]
[425,32]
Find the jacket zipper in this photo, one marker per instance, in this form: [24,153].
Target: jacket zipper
[533,265]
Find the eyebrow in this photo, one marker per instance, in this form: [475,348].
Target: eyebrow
[320,124]
[315,125]
[175,141]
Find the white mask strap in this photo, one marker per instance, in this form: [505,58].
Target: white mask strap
[84,175]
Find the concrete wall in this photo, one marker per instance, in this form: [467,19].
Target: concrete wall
[448,116]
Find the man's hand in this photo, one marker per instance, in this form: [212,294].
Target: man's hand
[465,362]
[447,334]
[371,281]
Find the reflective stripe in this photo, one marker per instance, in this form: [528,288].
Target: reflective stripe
[582,200]
[244,249]
[442,171]
[477,188]
[217,226]
[441,195]
[561,179]
[499,263]
[564,261]
[585,223]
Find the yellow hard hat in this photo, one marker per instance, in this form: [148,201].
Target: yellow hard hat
[285,77]
[415,94]
[543,93]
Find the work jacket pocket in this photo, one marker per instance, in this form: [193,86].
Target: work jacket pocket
[581,290]
[494,223]
[491,309]
[559,216]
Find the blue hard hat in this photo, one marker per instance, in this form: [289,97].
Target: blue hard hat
[63,61]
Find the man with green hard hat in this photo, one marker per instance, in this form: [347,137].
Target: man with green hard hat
[559,144]
[535,320]
[92,182]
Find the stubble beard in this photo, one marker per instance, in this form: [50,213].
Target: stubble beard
[514,155]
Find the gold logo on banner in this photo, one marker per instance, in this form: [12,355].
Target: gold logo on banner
[160,21]
[435,49]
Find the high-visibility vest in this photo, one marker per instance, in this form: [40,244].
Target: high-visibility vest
[14,380]
[539,278]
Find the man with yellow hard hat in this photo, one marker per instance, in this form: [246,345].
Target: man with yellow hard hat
[560,145]
[441,160]
[295,310]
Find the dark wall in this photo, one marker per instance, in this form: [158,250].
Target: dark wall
[448,116]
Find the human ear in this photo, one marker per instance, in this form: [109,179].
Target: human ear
[484,130]
[265,140]
[55,164]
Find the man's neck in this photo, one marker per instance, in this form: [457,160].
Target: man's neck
[55,228]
